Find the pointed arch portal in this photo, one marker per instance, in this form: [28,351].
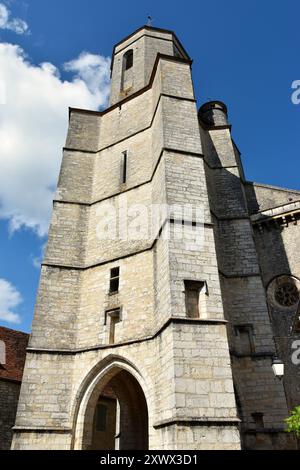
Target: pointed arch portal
[115,415]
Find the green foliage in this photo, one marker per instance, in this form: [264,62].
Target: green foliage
[293,422]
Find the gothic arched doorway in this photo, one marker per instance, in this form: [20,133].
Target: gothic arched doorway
[116,416]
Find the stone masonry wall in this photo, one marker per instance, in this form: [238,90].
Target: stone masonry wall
[243,293]
[154,339]
[277,247]
[9,395]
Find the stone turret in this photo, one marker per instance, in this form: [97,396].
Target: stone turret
[213,113]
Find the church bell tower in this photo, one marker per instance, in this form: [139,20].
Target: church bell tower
[129,347]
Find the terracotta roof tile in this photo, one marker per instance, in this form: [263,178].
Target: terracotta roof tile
[15,351]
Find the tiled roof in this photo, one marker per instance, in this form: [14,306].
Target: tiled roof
[12,353]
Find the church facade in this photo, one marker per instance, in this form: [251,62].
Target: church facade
[162,338]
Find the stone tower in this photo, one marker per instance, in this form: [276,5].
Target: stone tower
[130,347]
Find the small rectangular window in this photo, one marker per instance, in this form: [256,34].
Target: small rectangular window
[244,335]
[192,293]
[258,419]
[124,167]
[114,280]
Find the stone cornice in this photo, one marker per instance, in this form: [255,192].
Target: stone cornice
[49,263]
[239,275]
[95,152]
[245,216]
[270,186]
[171,320]
[263,430]
[137,93]
[276,211]
[201,421]
[282,215]
[42,429]
[254,355]
[151,28]
[214,128]
[96,201]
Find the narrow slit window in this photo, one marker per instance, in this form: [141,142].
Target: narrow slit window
[112,318]
[127,72]
[124,167]
[114,280]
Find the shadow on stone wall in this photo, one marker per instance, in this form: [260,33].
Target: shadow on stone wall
[232,198]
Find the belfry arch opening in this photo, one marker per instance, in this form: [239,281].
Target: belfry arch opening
[128,60]
[127,71]
[116,416]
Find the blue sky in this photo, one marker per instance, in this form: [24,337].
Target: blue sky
[245,54]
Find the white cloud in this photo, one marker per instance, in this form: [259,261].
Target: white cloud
[10,298]
[33,126]
[13,24]
[92,69]
[37,260]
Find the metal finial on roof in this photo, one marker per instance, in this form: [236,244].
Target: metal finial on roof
[150,20]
